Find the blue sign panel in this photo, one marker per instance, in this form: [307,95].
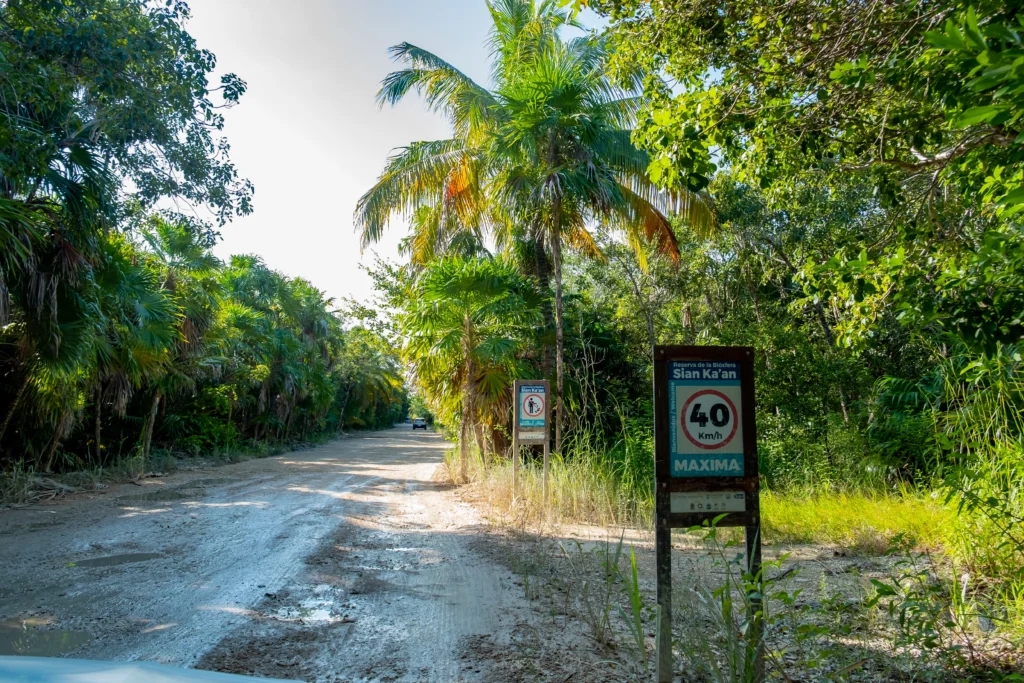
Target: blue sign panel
[706,428]
[532,406]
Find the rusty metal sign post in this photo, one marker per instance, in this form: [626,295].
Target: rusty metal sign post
[705,461]
[530,424]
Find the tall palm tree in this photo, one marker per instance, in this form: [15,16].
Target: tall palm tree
[545,153]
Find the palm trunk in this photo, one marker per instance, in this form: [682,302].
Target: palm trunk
[544,280]
[556,257]
[148,436]
[480,443]
[14,407]
[99,424]
[464,433]
[467,408]
[556,254]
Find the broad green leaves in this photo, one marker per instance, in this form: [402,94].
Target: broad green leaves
[924,102]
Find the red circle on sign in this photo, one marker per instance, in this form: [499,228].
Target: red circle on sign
[735,422]
[527,405]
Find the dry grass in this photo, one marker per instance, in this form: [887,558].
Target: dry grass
[860,521]
[577,492]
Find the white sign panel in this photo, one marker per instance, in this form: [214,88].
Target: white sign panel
[708,501]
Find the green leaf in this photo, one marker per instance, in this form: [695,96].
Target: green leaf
[1013,198]
[976,115]
[971,30]
[943,41]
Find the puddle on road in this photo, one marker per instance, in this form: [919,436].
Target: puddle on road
[27,638]
[117,559]
[318,610]
[155,496]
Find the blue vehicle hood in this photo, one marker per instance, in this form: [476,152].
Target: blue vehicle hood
[54,670]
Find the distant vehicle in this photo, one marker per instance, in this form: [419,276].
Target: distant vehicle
[419,423]
[408,420]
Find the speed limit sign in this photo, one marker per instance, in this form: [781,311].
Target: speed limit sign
[709,419]
[706,470]
[707,429]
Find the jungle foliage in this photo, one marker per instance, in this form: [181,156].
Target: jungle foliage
[119,329]
[864,165]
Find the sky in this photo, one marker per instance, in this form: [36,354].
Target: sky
[308,132]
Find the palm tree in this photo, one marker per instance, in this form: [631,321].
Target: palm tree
[462,329]
[180,254]
[543,154]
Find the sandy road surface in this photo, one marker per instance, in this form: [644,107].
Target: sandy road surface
[345,562]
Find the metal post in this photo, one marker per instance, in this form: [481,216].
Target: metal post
[515,464]
[547,451]
[663,552]
[755,615]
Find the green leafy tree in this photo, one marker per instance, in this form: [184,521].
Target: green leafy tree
[921,103]
[542,154]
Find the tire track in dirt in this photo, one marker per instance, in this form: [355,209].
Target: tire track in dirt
[163,570]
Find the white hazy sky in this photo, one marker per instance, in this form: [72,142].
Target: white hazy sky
[308,133]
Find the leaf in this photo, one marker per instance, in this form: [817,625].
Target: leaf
[976,115]
[1013,198]
[971,30]
[943,41]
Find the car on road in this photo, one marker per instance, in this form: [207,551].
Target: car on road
[419,423]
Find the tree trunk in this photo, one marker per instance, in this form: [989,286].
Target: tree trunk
[14,407]
[147,438]
[51,451]
[467,406]
[544,280]
[341,412]
[556,253]
[99,424]
[480,445]
[652,339]
[288,422]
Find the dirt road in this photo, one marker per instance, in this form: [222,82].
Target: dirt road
[346,562]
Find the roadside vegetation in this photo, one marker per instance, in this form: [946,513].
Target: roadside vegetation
[121,335]
[845,201]
[838,185]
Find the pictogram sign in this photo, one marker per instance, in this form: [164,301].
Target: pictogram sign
[531,407]
[530,424]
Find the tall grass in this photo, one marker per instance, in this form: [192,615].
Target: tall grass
[580,489]
[863,521]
